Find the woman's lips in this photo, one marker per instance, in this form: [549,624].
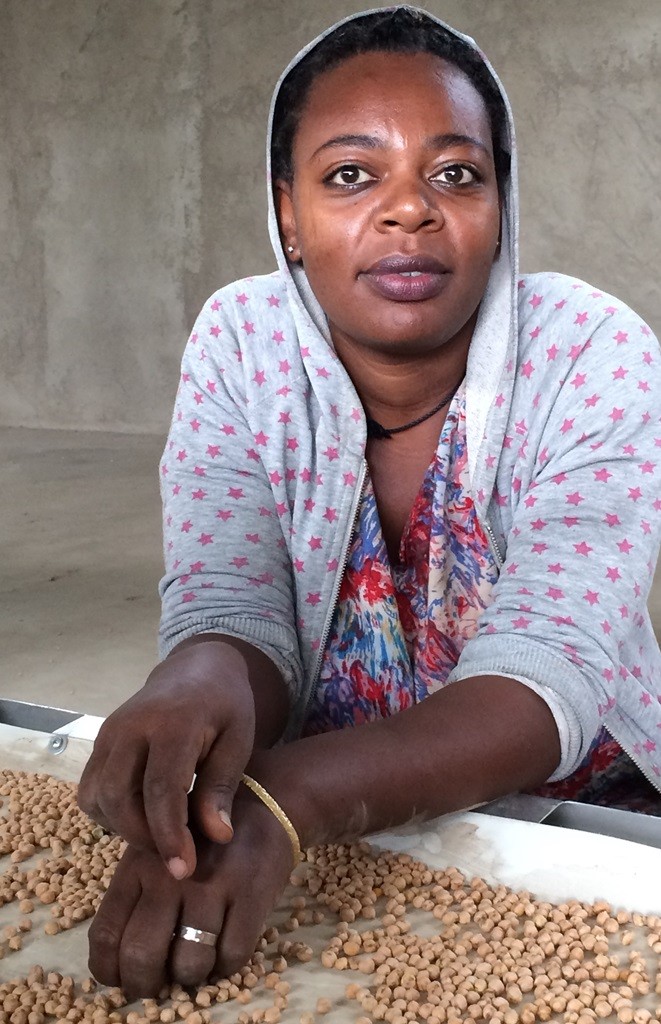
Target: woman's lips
[407,278]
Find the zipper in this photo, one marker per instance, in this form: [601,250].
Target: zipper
[653,782]
[355,511]
[491,537]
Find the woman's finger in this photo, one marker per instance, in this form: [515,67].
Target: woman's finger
[193,952]
[168,775]
[145,945]
[107,928]
[260,861]
[244,922]
[111,793]
[218,778]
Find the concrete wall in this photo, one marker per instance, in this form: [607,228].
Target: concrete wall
[132,173]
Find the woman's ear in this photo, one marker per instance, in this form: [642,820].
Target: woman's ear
[284,209]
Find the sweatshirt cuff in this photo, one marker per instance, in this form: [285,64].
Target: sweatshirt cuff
[570,715]
[567,724]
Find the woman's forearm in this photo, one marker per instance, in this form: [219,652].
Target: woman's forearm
[469,743]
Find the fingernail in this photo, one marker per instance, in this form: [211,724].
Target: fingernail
[177,868]
[225,818]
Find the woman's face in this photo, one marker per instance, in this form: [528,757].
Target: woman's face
[394,208]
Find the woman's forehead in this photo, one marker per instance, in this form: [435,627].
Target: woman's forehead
[374,86]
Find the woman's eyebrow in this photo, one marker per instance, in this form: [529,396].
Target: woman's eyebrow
[454,139]
[442,141]
[364,141]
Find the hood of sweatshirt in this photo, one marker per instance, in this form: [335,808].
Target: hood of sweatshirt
[492,357]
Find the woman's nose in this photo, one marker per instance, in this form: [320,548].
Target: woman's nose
[409,206]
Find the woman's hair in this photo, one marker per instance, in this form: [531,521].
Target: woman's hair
[402,30]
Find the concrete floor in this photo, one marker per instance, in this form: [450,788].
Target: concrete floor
[80,560]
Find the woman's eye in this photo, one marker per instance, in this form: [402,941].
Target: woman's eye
[349,175]
[457,174]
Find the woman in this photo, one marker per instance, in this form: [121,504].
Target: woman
[393,465]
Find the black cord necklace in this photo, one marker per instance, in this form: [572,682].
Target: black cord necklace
[380,433]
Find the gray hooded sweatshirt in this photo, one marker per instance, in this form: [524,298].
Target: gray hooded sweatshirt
[264,469]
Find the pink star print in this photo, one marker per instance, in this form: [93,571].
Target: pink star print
[583,548]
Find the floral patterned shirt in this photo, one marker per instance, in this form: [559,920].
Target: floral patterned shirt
[398,631]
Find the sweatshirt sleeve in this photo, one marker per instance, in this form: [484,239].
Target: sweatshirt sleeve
[569,609]
[227,567]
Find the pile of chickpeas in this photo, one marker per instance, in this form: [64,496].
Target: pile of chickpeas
[417,945]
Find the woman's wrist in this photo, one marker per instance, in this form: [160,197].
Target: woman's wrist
[212,653]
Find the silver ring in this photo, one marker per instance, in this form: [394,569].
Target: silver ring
[197,935]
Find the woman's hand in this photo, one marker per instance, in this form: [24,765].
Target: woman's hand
[133,940]
[196,713]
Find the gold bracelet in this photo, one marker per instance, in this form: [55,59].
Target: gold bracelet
[277,810]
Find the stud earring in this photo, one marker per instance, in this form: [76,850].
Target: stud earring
[290,248]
